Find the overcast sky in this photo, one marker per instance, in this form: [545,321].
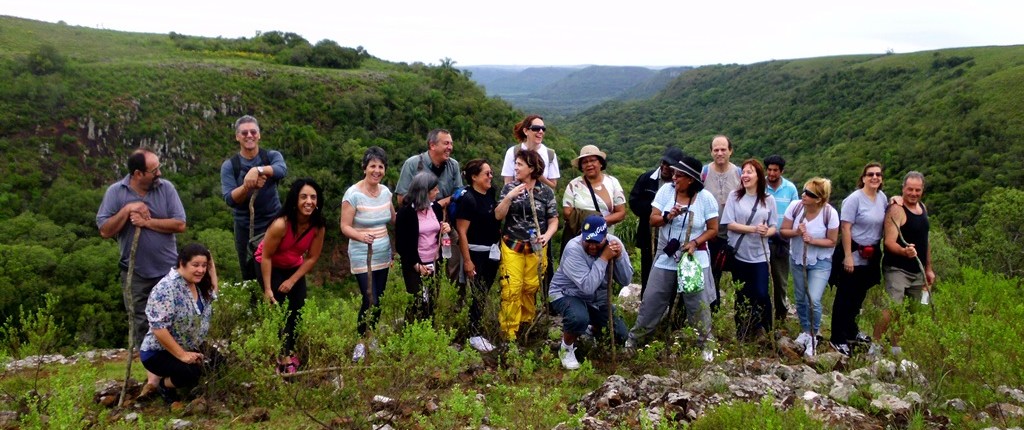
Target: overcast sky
[638,32]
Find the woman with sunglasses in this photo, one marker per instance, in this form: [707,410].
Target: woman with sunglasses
[812,226]
[687,215]
[749,216]
[530,134]
[862,222]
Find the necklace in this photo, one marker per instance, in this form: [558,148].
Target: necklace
[375,193]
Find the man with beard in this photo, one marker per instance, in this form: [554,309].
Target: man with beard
[438,160]
[252,171]
[150,205]
[784,192]
[640,198]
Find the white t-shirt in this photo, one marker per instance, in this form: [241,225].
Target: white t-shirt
[702,208]
[577,195]
[508,167]
[816,227]
[752,249]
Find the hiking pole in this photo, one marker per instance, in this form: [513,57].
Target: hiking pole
[771,297]
[611,322]
[130,305]
[920,265]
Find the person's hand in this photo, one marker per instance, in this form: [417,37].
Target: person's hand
[138,209]
[929,279]
[896,200]
[469,268]
[848,263]
[269,295]
[807,238]
[612,250]
[690,247]
[423,269]
[516,191]
[189,357]
[802,228]
[286,286]
[368,239]
[910,251]
[445,228]
[761,229]
[251,180]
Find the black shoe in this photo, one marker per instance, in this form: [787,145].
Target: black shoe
[861,338]
[170,395]
[841,348]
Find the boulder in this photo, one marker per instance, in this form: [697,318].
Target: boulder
[891,403]
[842,391]
[1005,410]
[1014,394]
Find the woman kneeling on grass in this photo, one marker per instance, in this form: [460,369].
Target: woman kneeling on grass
[179,310]
[293,242]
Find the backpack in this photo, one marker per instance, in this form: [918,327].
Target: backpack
[453,204]
[704,172]
[251,247]
[236,162]
[800,208]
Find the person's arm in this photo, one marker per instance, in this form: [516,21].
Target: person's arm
[847,244]
[894,219]
[462,226]
[501,210]
[167,341]
[618,214]
[167,225]
[552,228]
[711,231]
[347,223]
[271,240]
[212,270]
[623,267]
[308,261]
[929,273]
[568,197]
[553,183]
[111,224]
[574,261]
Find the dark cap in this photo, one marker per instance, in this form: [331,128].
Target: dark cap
[672,155]
[690,167]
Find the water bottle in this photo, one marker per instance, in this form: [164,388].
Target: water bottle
[925,299]
[446,246]
[534,241]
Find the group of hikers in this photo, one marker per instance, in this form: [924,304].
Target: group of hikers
[695,221]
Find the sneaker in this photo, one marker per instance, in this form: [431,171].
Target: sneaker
[568,356]
[481,344]
[861,338]
[708,354]
[841,348]
[630,343]
[811,344]
[359,352]
[802,339]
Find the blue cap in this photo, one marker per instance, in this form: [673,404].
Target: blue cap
[594,229]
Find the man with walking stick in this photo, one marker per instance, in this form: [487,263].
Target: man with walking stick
[640,198]
[907,262]
[144,213]
[580,288]
[248,182]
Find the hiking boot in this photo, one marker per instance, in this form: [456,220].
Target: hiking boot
[841,348]
[481,344]
[861,338]
[568,356]
[170,395]
[359,352]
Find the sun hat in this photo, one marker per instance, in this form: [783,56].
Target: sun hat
[587,151]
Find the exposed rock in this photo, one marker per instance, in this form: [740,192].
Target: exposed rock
[861,376]
[830,360]
[9,419]
[842,391]
[910,370]
[256,415]
[381,402]
[1014,393]
[1005,410]
[956,404]
[879,388]
[587,423]
[180,424]
[884,370]
[131,417]
[913,398]
[891,403]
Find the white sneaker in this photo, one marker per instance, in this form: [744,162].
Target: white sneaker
[568,356]
[359,352]
[708,355]
[802,339]
[481,344]
[630,343]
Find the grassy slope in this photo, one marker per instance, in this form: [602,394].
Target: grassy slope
[953,114]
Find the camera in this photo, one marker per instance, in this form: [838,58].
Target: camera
[671,247]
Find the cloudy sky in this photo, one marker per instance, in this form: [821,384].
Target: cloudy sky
[638,32]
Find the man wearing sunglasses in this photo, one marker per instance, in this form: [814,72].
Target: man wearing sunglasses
[252,171]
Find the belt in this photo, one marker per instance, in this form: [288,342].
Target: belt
[479,248]
[520,246]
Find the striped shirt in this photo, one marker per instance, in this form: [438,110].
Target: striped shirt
[372,214]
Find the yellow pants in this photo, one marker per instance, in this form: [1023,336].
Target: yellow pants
[520,281]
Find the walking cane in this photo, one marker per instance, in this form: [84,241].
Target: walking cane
[611,323]
[920,265]
[369,278]
[771,297]
[810,300]
[130,302]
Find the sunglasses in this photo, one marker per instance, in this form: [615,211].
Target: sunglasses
[873,174]
[538,128]
[810,194]
[249,132]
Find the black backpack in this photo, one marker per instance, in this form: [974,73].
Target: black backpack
[236,162]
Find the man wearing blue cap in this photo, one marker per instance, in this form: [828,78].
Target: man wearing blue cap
[579,289]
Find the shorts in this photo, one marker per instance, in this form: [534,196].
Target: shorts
[900,283]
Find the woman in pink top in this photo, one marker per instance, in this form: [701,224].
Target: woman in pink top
[418,224]
[293,242]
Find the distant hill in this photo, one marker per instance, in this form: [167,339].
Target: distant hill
[563,91]
[954,114]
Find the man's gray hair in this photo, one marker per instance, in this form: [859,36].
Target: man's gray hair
[419,189]
[432,135]
[245,119]
[913,174]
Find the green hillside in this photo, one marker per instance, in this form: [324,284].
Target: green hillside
[953,114]
[76,101]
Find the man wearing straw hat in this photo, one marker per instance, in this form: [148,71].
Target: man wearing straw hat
[579,289]
[248,182]
[907,262]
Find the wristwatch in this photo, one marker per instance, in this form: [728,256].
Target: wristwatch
[259,169]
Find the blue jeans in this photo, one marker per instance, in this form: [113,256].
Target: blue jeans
[817,279]
[577,315]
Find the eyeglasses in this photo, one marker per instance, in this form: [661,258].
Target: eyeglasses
[873,174]
[538,128]
[154,171]
[810,194]
[248,132]
[679,174]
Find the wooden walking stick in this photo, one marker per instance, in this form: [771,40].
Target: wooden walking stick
[810,300]
[611,322]
[771,297]
[920,265]
[130,305]
[252,215]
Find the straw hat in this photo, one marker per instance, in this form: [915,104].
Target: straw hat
[587,151]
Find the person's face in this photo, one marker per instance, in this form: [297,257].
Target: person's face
[913,189]
[248,136]
[681,180]
[809,197]
[590,165]
[148,179]
[374,171]
[873,178]
[535,131]
[432,195]
[194,269]
[443,146]
[522,170]
[594,248]
[720,150]
[749,176]
[666,171]
[482,180]
[307,200]
[773,173]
